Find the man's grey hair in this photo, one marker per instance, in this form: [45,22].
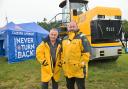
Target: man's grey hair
[54,29]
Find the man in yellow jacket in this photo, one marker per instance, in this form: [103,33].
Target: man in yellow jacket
[48,54]
[75,55]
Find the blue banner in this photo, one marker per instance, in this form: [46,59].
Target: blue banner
[22,46]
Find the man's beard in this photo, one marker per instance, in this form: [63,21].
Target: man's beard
[74,30]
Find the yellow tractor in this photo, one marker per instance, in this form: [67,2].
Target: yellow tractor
[101,25]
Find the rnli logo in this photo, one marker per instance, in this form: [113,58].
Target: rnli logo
[68,42]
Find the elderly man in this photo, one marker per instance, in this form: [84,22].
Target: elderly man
[48,54]
[75,54]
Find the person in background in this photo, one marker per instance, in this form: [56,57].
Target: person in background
[48,54]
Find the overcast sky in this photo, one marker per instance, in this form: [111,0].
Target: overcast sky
[22,11]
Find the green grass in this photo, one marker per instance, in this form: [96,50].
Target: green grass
[23,75]
[102,75]
[110,75]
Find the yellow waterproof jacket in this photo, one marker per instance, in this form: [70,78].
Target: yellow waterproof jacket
[75,54]
[43,55]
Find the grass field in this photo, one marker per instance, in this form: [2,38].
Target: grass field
[102,75]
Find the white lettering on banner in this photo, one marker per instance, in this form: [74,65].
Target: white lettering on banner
[25,54]
[27,47]
[24,40]
[24,47]
[29,33]
[17,33]
[22,33]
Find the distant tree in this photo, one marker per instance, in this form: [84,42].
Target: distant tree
[48,26]
[54,24]
[44,25]
[44,19]
[125,28]
[125,25]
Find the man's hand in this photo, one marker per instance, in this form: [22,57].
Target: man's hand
[82,64]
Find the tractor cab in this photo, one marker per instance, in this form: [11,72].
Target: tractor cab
[72,8]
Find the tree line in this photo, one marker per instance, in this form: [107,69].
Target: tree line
[48,26]
[125,27]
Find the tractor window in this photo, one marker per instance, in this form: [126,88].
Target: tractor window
[65,15]
[80,7]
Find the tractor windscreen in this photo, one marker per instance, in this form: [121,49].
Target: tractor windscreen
[103,31]
[80,7]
